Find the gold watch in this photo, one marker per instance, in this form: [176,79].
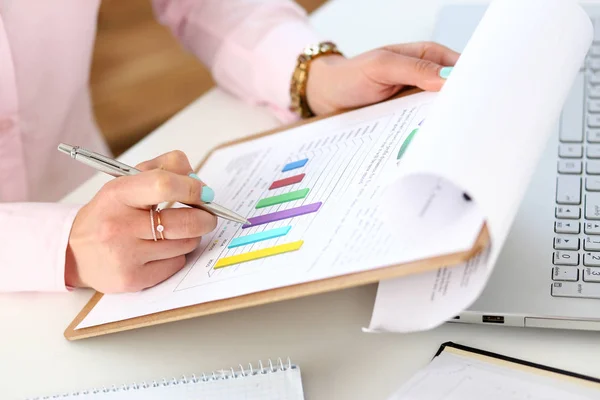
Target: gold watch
[299,104]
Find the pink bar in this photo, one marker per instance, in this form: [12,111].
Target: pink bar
[286,181]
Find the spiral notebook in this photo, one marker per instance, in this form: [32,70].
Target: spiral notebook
[265,381]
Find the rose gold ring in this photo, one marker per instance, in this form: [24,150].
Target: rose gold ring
[159,228]
[152,223]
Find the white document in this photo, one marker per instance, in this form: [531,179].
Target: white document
[414,156]
[485,134]
[456,375]
[350,157]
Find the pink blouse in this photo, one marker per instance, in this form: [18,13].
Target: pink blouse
[45,54]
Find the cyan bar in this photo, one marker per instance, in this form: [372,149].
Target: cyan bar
[259,237]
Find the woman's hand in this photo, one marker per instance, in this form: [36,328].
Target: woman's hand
[337,83]
[111,246]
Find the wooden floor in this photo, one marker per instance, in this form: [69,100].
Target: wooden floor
[140,74]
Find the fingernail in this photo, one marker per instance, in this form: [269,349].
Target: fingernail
[445,72]
[208,194]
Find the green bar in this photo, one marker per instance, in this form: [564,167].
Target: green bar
[282,198]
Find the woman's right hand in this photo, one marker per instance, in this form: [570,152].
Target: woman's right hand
[111,247]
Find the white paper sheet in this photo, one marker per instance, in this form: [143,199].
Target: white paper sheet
[485,133]
[350,158]
[455,377]
[487,110]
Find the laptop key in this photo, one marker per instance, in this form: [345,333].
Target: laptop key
[566,227]
[565,274]
[568,189]
[592,167]
[571,121]
[593,135]
[594,105]
[570,151]
[591,244]
[594,91]
[576,289]
[593,151]
[569,167]
[591,274]
[567,212]
[594,63]
[592,206]
[593,120]
[566,242]
[592,184]
[591,228]
[566,258]
[594,78]
[591,259]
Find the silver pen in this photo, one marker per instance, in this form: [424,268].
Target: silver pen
[116,168]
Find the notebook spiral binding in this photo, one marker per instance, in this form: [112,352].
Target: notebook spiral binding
[223,374]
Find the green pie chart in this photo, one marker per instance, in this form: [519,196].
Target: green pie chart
[406,143]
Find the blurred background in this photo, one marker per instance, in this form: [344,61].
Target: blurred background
[140,75]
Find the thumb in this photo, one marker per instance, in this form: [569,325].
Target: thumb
[398,69]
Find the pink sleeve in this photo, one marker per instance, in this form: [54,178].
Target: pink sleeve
[250,46]
[33,243]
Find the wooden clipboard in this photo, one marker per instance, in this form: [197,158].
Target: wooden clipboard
[277,294]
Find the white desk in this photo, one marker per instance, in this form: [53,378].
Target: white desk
[321,333]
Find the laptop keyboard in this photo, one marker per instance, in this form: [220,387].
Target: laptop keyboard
[576,258]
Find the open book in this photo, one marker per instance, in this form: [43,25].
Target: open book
[395,189]
[463,373]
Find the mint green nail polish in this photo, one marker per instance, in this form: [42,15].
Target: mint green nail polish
[445,72]
[208,194]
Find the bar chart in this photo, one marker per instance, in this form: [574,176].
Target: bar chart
[272,217]
[281,203]
[301,197]
[314,197]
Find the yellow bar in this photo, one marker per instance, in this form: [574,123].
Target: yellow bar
[254,255]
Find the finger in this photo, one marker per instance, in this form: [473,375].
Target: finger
[149,250]
[430,51]
[175,161]
[178,223]
[398,69]
[157,186]
[155,272]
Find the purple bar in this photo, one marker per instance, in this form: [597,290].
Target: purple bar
[279,215]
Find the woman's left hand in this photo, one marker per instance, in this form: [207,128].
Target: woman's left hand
[337,83]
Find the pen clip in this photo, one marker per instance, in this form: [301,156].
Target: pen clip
[114,163]
[100,162]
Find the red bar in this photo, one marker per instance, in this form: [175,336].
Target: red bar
[287,181]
